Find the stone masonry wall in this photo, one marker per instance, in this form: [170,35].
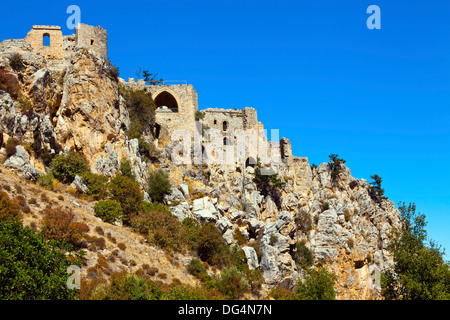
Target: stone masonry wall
[92,38]
[35,38]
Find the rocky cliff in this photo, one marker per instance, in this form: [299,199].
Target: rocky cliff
[76,105]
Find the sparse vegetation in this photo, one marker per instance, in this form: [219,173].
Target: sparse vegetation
[59,224]
[158,185]
[10,146]
[303,220]
[324,206]
[16,62]
[9,83]
[302,256]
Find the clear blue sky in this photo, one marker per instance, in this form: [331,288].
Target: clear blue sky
[378,98]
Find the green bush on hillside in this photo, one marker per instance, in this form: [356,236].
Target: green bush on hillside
[67,165]
[109,211]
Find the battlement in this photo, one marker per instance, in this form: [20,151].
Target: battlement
[42,27]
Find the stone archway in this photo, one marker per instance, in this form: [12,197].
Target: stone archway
[166,99]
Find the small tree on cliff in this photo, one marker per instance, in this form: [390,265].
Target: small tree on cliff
[376,192]
[335,165]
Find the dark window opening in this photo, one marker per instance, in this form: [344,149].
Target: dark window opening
[215,121]
[225,126]
[250,162]
[165,99]
[92,42]
[46,40]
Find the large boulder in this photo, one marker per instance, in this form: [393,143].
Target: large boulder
[204,210]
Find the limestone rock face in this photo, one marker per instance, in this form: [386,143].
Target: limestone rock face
[91,110]
[20,161]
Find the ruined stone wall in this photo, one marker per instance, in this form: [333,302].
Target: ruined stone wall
[215,118]
[35,38]
[69,43]
[187,102]
[92,38]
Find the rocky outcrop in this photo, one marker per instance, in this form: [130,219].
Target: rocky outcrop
[92,112]
[20,162]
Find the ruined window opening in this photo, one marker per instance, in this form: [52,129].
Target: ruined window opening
[250,162]
[92,42]
[46,40]
[225,126]
[165,99]
[215,121]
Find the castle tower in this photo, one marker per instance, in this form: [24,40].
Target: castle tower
[47,40]
[92,38]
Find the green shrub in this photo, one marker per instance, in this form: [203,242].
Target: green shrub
[375,190]
[158,185]
[32,268]
[141,108]
[317,285]
[66,166]
[128,193]
[232,283]
[46,180]
[211,246]
[109,211]
[199,115]
[419,271]
[191,227]
[125,286]
[154,206]
[126,170]
[112,71]
[161,229]
[302,256]
[97,185]
[196,268]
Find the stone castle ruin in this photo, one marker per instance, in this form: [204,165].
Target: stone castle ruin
[52,45]
[77,105]
[177,105]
